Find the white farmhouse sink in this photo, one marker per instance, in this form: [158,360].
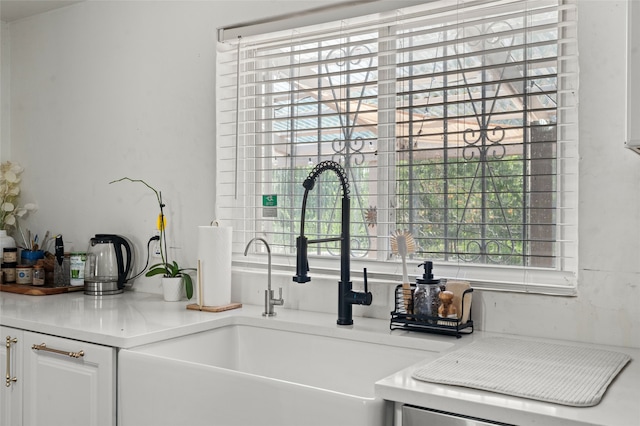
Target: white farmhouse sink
[262,375]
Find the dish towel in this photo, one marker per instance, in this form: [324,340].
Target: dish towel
[567,375]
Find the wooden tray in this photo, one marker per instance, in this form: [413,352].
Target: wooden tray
[38,290]
[196,307]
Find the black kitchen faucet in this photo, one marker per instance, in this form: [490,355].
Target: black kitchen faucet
[346,296]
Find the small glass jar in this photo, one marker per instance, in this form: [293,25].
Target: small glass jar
[24,274]
[10,255]
[38,275]
[9,272]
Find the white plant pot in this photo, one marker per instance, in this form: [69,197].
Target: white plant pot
[173,289]
[6,241]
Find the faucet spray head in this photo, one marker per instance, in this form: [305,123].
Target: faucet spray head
[302,263]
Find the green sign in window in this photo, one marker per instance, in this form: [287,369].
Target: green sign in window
[270,205]
[270,200]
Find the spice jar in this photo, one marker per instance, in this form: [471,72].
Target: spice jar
[9,271]
[38,274]
[10,255]
[24,274]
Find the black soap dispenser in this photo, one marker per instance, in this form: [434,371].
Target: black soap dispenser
[425,298]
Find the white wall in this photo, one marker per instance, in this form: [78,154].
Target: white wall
[106,89]
[101,90]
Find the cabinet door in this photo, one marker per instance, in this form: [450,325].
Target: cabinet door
[11,364]
[67,382]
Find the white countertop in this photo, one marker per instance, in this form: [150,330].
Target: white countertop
[134,319]
[123,320]
[620,405]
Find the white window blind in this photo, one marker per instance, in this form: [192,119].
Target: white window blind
[455,120]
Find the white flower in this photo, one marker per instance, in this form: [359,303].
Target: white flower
[10,220]
[10,210]
[11,177]
[16,168]
[29,207]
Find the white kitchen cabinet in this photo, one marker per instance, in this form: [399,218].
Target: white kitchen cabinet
[11,389]
[58,381]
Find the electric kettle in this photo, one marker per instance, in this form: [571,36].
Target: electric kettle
[108,264]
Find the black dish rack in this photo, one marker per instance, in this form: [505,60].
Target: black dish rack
[404,318]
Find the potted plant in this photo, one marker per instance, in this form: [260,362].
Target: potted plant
[173,276]
[172,279]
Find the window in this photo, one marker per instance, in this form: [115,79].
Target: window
[455,120]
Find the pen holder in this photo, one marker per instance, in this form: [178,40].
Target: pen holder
[30,257]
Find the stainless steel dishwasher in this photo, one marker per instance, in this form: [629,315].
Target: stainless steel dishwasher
[418,416]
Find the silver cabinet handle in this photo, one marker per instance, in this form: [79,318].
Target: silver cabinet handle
[43,347]
[10,379]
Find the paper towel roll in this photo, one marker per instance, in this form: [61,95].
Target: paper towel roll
[214,253]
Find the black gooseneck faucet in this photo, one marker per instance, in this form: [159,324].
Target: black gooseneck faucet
[346,296]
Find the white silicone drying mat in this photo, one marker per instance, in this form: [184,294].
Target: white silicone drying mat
[562,374]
